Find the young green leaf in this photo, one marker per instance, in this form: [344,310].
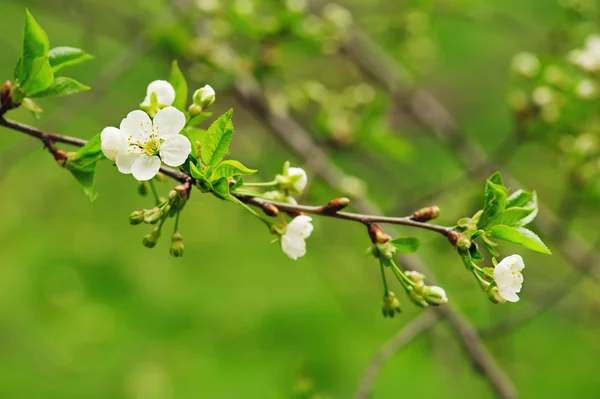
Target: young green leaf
[496,178]
[474,251]
[178,82]
[61,86]
[221,188]
[215,143]
[61,57]
[231,168]
[495,201]
[82,165]
[520,236]
[406,245]
[35,45]
[519,198]
[40,77]
[511,217]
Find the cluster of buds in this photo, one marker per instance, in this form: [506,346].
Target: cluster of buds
[391,305]
[157,215]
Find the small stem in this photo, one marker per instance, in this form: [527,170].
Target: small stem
[176,229]
[383,277]
[262,184]
[405,281]
[154,192]
[252,211]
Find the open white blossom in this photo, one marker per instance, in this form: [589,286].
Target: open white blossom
[508,277]
[140,144]
[165,93]
[300,174]
[292,241]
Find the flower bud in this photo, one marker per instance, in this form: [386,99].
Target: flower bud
[137,217]
[494,296]
[195,110]
[204,97]
[176,245]
[435,295]
[426,214]
[336,205]
[391,305]
[414,276]
[151,238]
[378,235]
[416,298]
[152,216]
[270,209]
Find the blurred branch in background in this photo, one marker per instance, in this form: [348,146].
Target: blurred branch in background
[405,336]
[292,135]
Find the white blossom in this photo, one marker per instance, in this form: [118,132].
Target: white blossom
[508,277]
[525,64]
[165,93]
[586,89]
[292,241]
[140,144]
[302,179]
[587,58]
[204,96]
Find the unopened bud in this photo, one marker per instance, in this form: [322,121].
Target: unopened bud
[176,249]
[494,296]
[391,305]
[195,110]
[5,94]
[435,295]
[378,235]
[270,209]
[461,242]
[137,217]
[151,238]
[152,216]
[426,214]
[336,205]
[204,97]
[416,298]
[414,276]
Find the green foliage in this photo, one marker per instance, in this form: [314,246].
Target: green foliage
[178,82]
[82,165]
[406,245]
[61,57]
[215,143]
[230,168]
[495,199]
[520,236]
[61,86]
[35,70]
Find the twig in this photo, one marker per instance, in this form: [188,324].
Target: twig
[392,346]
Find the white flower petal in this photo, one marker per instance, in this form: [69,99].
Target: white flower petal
[502,274]
[169,121]
[299,184]
[136,126]
[125,160]
[145,167]
[113,142]
[293,246]
[165,93]
[300,226]
[508,293]
[175,150]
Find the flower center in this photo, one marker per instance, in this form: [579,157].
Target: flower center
[152,146]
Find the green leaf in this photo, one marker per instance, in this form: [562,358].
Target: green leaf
[215,143]
[61,86]
[474,252]
[32,106]
[231,168]
[17,70]
[61,57]
[494,202]
[35,45]
[496,178]
[82,165]
[196,120]
[40,77]
[511,217]
[178,82]
[221,188]
[195,172]
[406,245]
[519,198]
[520,236]
[532,204]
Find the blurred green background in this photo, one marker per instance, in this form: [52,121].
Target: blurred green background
[87,312]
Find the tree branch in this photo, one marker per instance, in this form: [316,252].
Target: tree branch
[392,346]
